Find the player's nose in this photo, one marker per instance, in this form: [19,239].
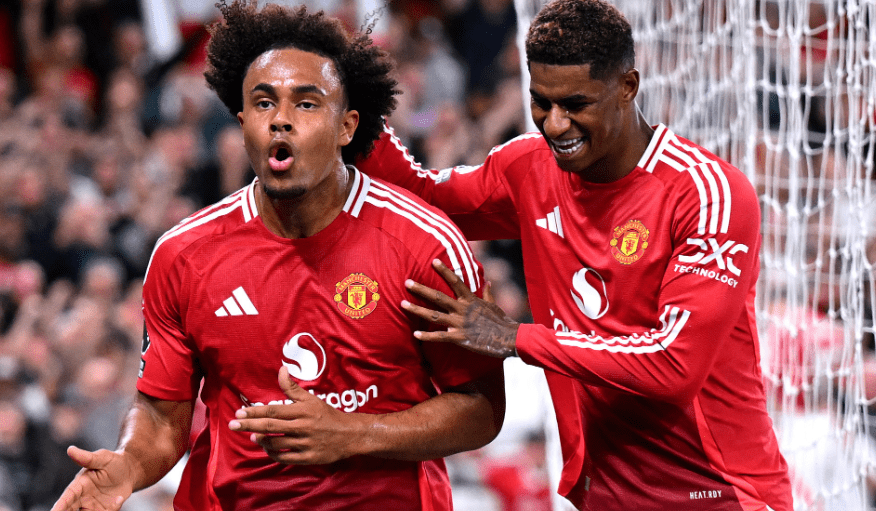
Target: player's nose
[556,122]
[282,120]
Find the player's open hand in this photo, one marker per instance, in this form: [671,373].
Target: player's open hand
[103,484]
[306,432]
[473,323]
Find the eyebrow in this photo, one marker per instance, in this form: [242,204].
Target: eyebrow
[300,89]
[567,99]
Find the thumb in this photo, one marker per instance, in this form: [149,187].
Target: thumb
[83,458]
[292,390]
[488,292]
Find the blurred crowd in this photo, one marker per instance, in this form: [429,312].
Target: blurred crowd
[108,137]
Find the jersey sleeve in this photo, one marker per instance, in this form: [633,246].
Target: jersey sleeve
[168,366]
[700,306]
[450,365]
[477,198]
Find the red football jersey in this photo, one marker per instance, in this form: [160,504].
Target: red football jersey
[642,291]
[228,303]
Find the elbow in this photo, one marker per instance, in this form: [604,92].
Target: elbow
[491,411]
[680,389]
[497,419]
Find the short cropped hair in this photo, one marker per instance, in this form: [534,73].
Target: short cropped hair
[244,33]
[579,32]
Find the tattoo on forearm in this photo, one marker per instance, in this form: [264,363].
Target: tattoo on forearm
[490,333]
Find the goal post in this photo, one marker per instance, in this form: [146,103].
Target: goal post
[786,91]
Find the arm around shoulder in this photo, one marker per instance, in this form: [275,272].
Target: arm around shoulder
[462,418]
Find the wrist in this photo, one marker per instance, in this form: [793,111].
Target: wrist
[132,469]
[361,434]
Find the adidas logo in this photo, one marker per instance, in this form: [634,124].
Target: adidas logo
[552,222]
[237,304]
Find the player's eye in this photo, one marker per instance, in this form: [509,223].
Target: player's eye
[575,106]
[541,103]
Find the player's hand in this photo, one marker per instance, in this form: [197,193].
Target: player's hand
[306,432]
[103,484]
[473,323]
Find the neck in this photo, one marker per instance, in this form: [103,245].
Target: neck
[308,214]
[624,159]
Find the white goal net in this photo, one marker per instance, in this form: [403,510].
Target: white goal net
[786,91]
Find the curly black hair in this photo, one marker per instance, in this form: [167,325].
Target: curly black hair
[579,32]
[245,32]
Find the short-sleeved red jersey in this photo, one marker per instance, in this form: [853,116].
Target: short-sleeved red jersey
[642,291]
[228,303]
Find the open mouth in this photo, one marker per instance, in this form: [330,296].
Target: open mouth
[567,147]
[281,153]
[281,158]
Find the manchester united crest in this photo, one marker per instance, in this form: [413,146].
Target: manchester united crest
[356,295]
[629,241]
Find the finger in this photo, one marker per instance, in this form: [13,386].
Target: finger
[292,458]
[263,426]
[83,458]
[69,500]
[488,292]
[452,335]
[279,443]
[433,295]
[428,314]
[289,387]
[101,503]
[456,283]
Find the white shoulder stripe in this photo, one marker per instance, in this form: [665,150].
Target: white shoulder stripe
[728,197]
[238,200]
[673,321]
[704,200]
[446,226]
[525,136]
[206,211]
[706,174]
[458,250]
[705,170]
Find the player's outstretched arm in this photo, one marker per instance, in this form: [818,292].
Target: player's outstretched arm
[309,431]
[154,437]
[473,323]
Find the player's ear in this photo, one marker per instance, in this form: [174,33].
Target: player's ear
[629,82]
[240,118]
[348,126]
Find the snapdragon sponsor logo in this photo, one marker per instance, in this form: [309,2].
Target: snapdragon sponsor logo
[348,400]
[589,293]
[304,357]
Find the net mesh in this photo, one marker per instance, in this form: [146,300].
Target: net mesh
[785,91]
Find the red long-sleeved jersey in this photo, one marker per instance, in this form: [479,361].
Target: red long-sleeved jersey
[642,291]
[227,302]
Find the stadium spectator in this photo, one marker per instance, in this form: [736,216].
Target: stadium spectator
[312,249]
[641,258]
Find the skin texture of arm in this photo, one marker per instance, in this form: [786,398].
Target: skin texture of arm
[154,437]
[309,431]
